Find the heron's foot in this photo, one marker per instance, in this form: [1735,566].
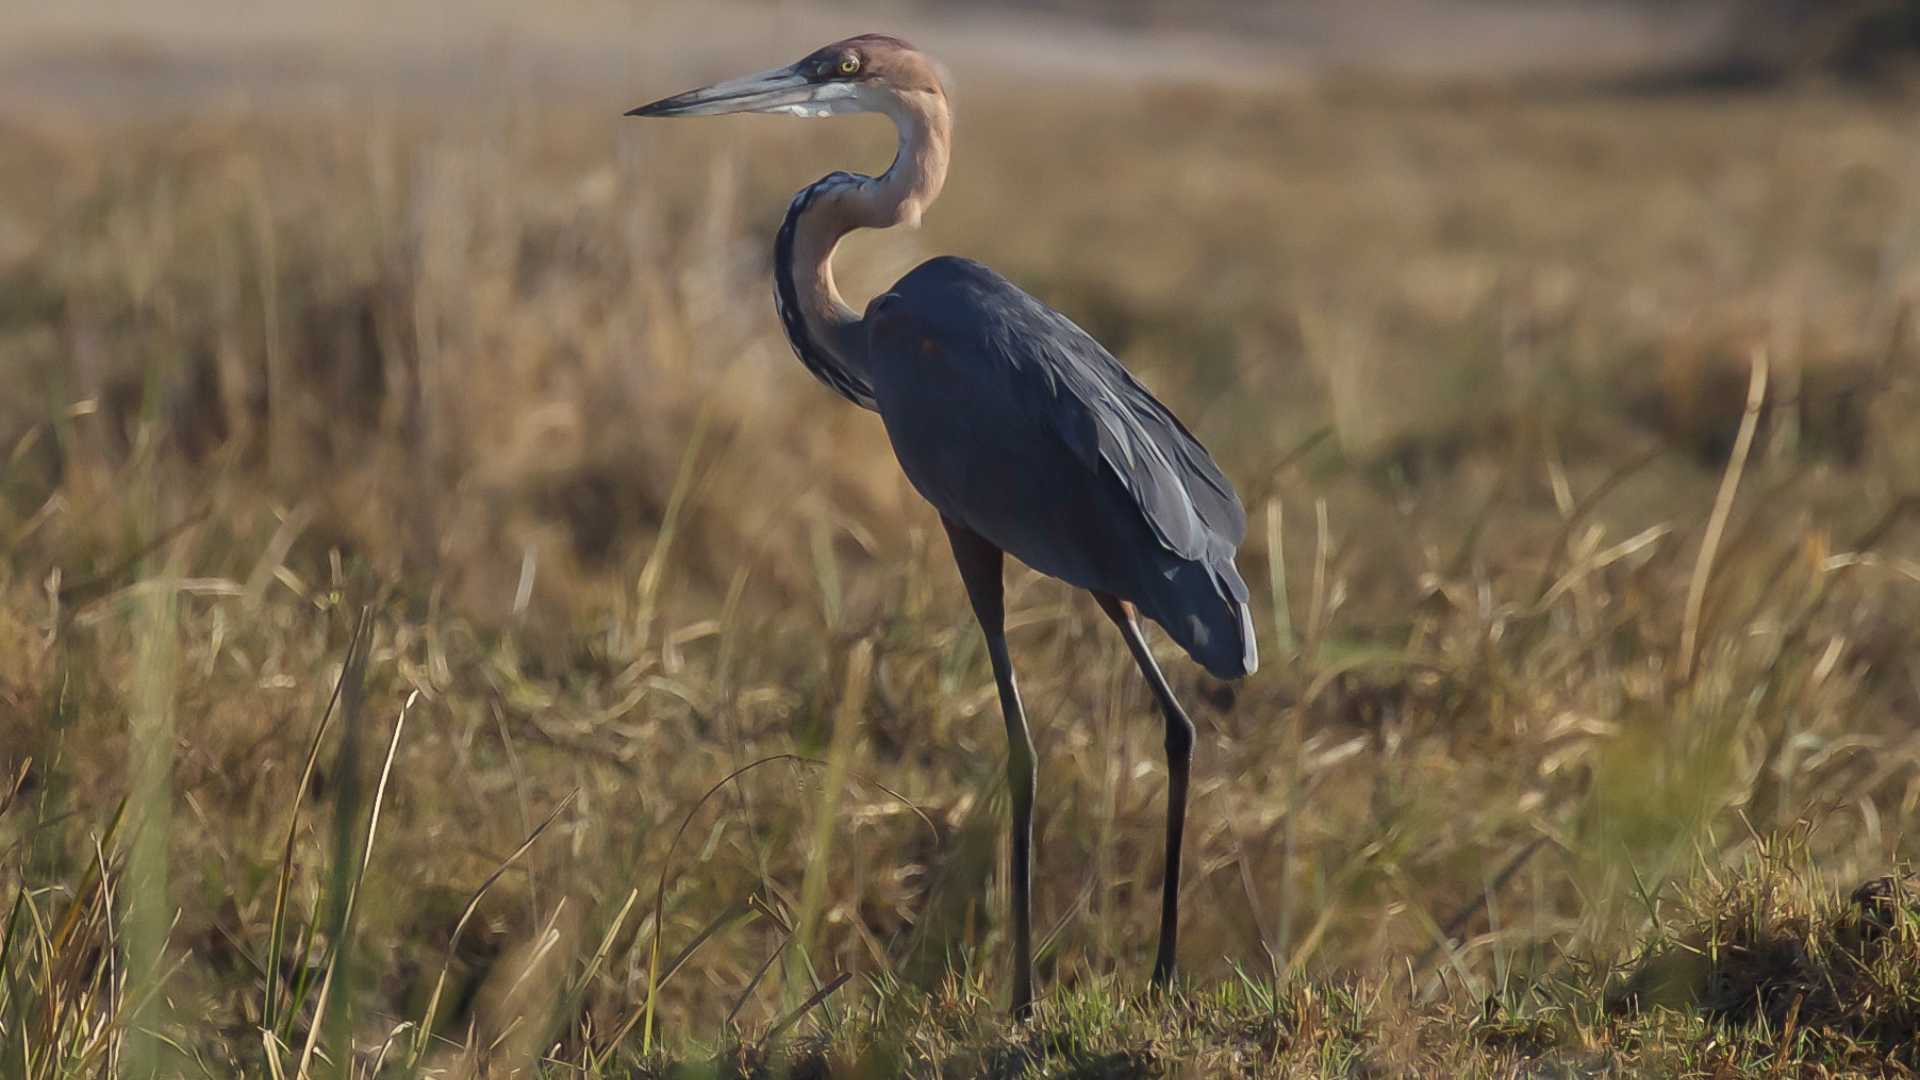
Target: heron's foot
[1165,969]
[1163,984]
[1021,1007]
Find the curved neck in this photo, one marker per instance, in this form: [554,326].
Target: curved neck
[825,332]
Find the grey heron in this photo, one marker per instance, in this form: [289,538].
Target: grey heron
[1026,435]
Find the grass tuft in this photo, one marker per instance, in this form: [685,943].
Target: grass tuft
[1830,978]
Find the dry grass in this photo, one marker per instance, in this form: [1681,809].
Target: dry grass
[507,377]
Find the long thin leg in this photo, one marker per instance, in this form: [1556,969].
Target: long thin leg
[980,564]
[1179,769]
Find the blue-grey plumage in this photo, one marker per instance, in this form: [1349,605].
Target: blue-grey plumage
[1025,434]
[1013,421]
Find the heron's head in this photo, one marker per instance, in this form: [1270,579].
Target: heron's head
[870,73]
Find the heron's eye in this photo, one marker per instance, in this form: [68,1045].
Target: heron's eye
[850,65]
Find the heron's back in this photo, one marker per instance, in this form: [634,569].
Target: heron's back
[1014,422]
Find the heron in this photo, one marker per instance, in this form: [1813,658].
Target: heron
[1025,434]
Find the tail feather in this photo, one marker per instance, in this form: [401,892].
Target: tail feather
[1204,609]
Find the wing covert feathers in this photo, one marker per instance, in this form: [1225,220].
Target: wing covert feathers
[1051,379]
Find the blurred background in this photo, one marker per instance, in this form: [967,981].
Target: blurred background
[366,348]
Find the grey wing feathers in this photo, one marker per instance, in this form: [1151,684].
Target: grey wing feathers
[1066,381]
[1180,490]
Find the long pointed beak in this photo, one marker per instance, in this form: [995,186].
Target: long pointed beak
[780,90]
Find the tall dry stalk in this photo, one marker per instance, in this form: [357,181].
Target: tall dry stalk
[144,893]
[826,822]
[1717,520]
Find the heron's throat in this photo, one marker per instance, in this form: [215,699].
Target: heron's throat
[826,333]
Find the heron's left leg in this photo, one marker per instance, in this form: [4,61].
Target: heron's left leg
[1179,769]
[980,564]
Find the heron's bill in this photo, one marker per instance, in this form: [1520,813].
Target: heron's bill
[781,90]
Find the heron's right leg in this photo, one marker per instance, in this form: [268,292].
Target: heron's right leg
[980,565]
[1179,769]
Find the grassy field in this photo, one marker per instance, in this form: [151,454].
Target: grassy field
[442,629]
